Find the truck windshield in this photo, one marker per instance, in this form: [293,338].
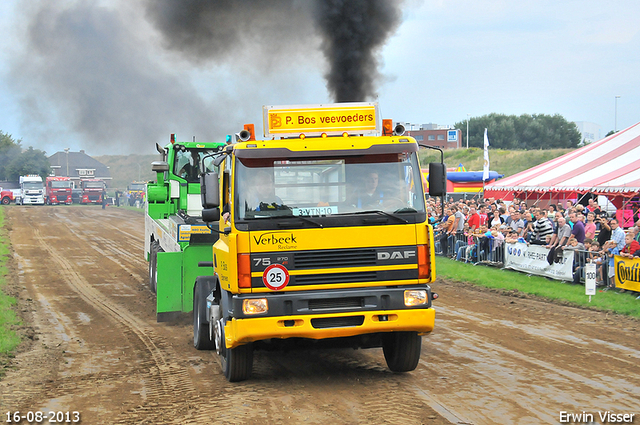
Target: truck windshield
[390,183]
[93,185]
[137,187]
[60,184]
[32,185]
[187,163]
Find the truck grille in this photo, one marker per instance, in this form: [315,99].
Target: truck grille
[333,303]
[320,279]
[330,265]
[335,258]
[337,322]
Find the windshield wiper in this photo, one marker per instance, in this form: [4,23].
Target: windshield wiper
[381,213]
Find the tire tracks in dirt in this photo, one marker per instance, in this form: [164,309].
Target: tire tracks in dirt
[108,248]
[165,380]
[491,359]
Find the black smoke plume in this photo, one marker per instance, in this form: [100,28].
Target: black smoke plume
[352,33]
[119,74]
[223,30]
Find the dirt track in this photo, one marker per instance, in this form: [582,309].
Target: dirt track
[93,346]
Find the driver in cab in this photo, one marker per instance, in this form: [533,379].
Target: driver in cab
[369,195]
[261,195]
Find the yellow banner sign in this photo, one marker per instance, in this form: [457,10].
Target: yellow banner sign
[310,120]
[186,230]
[627,273]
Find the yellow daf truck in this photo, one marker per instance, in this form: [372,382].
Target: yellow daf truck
[323,239]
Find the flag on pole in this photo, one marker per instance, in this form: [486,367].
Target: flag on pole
[485,173]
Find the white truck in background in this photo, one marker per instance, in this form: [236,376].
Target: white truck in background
[31,190]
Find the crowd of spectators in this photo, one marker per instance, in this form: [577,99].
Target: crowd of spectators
[477,230]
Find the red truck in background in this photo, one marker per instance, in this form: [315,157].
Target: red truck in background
[58,190]
[7,195]
[92,191]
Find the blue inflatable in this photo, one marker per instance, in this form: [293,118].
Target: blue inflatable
[470,176]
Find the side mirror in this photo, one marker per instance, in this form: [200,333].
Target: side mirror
[210,215]
[437,179]
[159,166]
[209,192]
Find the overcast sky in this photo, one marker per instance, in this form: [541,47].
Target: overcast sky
[97,75]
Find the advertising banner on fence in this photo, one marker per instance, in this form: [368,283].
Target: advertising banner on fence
[533,259]
[627,273]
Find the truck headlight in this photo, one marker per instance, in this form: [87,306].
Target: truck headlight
[255,306]
[415,297]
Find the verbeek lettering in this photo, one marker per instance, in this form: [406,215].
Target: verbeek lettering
[275,239]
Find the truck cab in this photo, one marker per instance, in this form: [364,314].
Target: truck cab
[93,191]
[58,190]
[8,195]
[176,238]
[31,190]
[324,240]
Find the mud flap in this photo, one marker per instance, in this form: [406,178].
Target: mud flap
[169,289]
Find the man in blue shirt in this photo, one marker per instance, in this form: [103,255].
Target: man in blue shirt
[617,234]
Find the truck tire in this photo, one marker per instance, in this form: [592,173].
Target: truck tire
[402,350]
[154,248]
[236,362]
[6,200]
[201,336]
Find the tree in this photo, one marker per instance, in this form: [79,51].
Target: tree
[7,142]
[9,148]
[538,131]
[14,162]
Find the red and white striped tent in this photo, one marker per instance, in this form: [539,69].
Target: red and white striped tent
[609,167]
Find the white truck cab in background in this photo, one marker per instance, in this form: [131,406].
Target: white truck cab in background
[31,190]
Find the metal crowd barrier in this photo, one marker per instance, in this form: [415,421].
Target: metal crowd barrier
[447,245]
[470,248]
[582,257]
[490,251]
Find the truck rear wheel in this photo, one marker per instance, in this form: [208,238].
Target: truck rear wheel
[402,350]
[153,265]
[201,336]
[236,362]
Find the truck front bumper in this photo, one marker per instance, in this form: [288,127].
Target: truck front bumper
[325,314]
[321,326]
[33,200]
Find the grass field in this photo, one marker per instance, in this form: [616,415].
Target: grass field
[491,277]
[8,338]
[502,161]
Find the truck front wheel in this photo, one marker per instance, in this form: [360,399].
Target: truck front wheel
[402,350]
[6,200]
[236,362]
[201,336]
